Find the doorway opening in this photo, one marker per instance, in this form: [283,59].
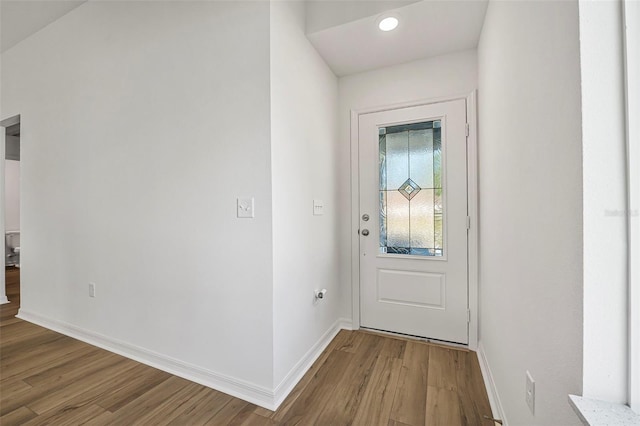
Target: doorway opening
[11,216]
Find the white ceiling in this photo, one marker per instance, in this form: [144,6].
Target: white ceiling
[427,28]
[343,31]
[21,18]
[323,14]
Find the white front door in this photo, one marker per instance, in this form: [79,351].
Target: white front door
[413,221]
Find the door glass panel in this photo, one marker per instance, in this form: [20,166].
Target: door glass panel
[437,218]
[411,208]
[422,223]
[421,157]
[397,158]
[397,220]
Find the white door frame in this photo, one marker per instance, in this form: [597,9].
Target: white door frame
[472,202]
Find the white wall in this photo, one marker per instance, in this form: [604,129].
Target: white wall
[604,164]
[141,124]
[12,195]
[531,206]
[632,62]
[304,166]
[448,75]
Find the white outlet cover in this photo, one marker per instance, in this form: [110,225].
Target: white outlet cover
[245,207]
[318,207]
[530,395]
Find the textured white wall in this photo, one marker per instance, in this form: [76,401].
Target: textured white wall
[448,75]
[530,151]
[141,124]
[632,60]
[304,95]
[604,165]
[12,195]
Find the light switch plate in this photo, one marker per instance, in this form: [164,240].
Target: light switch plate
[318,208]
[245,207]
[530,395]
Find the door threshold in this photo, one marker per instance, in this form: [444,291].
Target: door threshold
[402,336]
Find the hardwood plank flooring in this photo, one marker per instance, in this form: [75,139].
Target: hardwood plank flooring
[362,378]
[12,284]
[409,404]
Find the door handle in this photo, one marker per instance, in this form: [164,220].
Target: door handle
[365,232]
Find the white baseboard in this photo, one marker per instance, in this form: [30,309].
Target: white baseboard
[492,391]
[250,392]
[346,324]
[259,395]
[3,300]
[299,370]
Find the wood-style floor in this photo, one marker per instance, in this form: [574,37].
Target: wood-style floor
[360,379]
[8,311]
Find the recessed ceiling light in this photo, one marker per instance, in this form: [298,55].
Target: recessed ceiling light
[389,23]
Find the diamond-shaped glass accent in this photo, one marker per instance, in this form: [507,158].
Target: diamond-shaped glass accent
[409,189]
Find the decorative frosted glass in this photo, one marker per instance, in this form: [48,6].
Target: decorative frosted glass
[397,155]
[383,218]
[411,207]
[409,189]
[422,224]
[421,157]
[437,209]
[437,158]
[397,220]
[382,152]
[438,233]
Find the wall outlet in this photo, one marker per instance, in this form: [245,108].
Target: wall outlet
[318,207]
[92,290]
[530,395]
[245,206]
